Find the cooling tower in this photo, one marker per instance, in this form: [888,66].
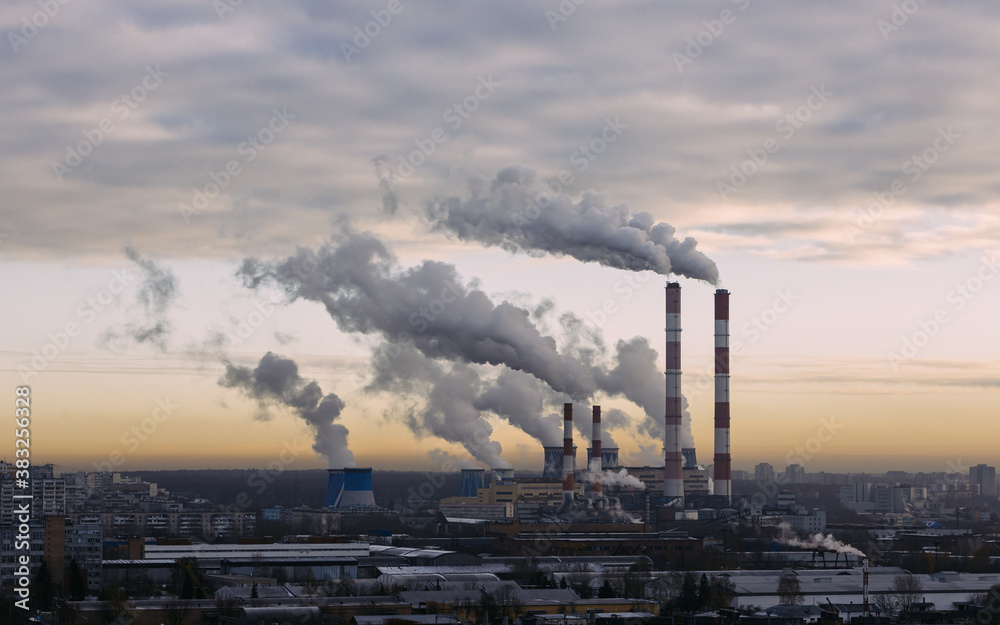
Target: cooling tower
[357,488]
[690,458]
[504,476]
[334,487]
[553,467]
[609,457]
[472,481]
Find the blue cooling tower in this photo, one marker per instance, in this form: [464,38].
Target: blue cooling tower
[334,487]
[472,481]
[357,489]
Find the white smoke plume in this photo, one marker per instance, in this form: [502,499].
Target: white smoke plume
[521,400]
[514,211]
[276,381]
[428,306]
[817,541]
[442,401]
[637,377]
[611,478]
[427,315]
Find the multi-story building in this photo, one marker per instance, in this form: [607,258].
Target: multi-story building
[763,472]
[859,492]
[808,523]
[208,524]
[795,474]
[49,495]
[983,480]
[889,499]
[83,543]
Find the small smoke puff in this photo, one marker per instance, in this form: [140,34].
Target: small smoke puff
[817,541]
[276,381]
[515,212]
[157,293]
[390,198]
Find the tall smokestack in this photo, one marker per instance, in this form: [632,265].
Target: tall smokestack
[595,454]
[567,453]
[723,474]
[673,474]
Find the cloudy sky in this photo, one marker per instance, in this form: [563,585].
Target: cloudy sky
[837,161]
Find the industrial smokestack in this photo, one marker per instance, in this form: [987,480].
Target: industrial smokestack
[723,460]
[595,454]
[568,452]
[673,473]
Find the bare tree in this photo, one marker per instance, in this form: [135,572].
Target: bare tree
[176,611]
[721,592]
[905,589]
[790,591]
[885,602]
[506,601]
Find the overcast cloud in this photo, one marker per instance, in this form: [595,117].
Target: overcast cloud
[541,89]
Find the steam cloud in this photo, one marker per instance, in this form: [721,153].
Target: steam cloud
[817,541]
[515,212]
[448,395]
[426,314]
[611,478]
[636,377]
[276,381]
[364,290]
[156,294]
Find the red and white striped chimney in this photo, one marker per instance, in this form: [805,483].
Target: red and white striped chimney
[595,455]
[567,453]
[723,461]
[673,473]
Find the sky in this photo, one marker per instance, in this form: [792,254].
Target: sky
[835,160]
